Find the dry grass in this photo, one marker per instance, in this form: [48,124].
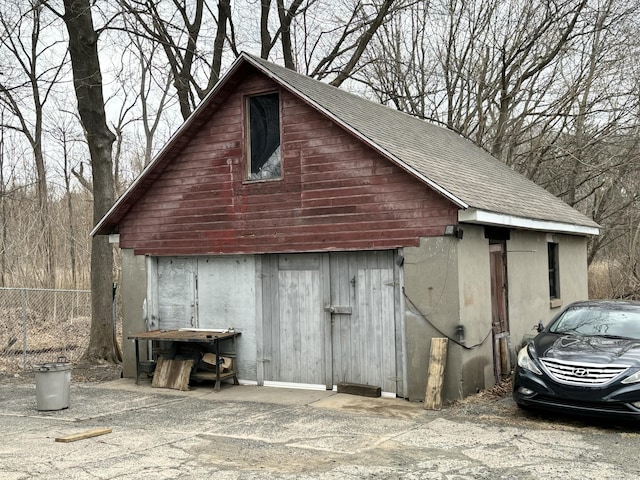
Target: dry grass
[81,372]
[46,340]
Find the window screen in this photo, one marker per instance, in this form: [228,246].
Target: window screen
[264,135]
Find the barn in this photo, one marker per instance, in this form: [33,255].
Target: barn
[339,236]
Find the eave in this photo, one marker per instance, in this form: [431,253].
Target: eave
[482,217]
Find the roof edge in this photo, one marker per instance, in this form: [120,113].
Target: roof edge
[100,226]
[483,217]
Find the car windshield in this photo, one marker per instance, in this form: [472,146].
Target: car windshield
[600,321]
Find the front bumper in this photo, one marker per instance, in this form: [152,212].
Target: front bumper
[541,392]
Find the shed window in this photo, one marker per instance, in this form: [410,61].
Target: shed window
[554,271]
[264,137]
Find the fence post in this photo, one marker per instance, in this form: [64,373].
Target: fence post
[24,328]
[114,309]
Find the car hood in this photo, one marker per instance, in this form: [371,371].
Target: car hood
[587,349]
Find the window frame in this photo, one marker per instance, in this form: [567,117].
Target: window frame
[553,263]
[248,162]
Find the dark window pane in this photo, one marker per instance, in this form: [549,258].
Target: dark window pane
[264,130]
[554,287]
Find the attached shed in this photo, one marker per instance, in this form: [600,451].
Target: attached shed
[340,236]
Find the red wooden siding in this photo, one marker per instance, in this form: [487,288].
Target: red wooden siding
[336,193]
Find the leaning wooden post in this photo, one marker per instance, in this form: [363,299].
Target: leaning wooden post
[435,379]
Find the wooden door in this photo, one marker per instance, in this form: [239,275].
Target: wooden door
[363,332]
[294,320]
[330,318]
[500,321]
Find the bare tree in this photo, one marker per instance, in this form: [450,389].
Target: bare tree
[178,30]
[3,207]
[541,85]
[66,138]
[338,48]
[87,80]
[33,80]
[153,90]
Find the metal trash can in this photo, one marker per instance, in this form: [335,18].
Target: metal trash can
[53,385]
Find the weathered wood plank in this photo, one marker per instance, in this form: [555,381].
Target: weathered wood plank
[435,379]
[359,389]
[83,435]
[200,204]
[173,374]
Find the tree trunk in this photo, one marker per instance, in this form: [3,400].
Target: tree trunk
[3,213]
[87,80]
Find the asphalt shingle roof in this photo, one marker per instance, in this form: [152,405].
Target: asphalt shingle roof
[455,164]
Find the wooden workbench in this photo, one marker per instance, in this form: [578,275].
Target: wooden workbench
[195,336]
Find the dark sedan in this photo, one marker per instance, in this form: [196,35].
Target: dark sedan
[585,362]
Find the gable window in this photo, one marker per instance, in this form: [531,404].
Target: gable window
[554,271]
[264,161]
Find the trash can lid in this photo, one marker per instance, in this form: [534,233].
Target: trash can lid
[45,367]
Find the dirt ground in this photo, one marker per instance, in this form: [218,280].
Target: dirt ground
[81,372]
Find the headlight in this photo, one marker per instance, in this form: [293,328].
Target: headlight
[524,361]
[635,378]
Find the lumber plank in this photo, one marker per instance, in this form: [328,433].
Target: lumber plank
[435,379]
[82,435]
[171,373]
[359,389]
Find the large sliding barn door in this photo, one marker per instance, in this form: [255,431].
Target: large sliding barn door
[330,318]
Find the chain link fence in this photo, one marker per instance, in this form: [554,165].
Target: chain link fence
[39,326]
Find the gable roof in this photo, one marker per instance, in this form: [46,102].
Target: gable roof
[486,190]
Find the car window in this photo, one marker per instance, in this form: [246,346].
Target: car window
[598,321]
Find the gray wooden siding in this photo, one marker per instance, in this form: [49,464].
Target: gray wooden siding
[209,292]
[176,293]
[226,298]
[317,318]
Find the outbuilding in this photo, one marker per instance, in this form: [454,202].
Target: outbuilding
[339,236]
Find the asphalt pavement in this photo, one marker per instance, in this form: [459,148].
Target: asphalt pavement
[250,432]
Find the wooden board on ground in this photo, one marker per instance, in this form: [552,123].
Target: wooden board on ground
[172,373]
[81,436]
[435,379]
[359,389]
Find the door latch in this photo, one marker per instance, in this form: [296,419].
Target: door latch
[338,310]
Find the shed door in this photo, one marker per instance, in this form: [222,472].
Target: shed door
[500,321]
[330,318]
[294,327]
[227,298]
[363,322]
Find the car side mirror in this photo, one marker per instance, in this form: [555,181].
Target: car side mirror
[540,326]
